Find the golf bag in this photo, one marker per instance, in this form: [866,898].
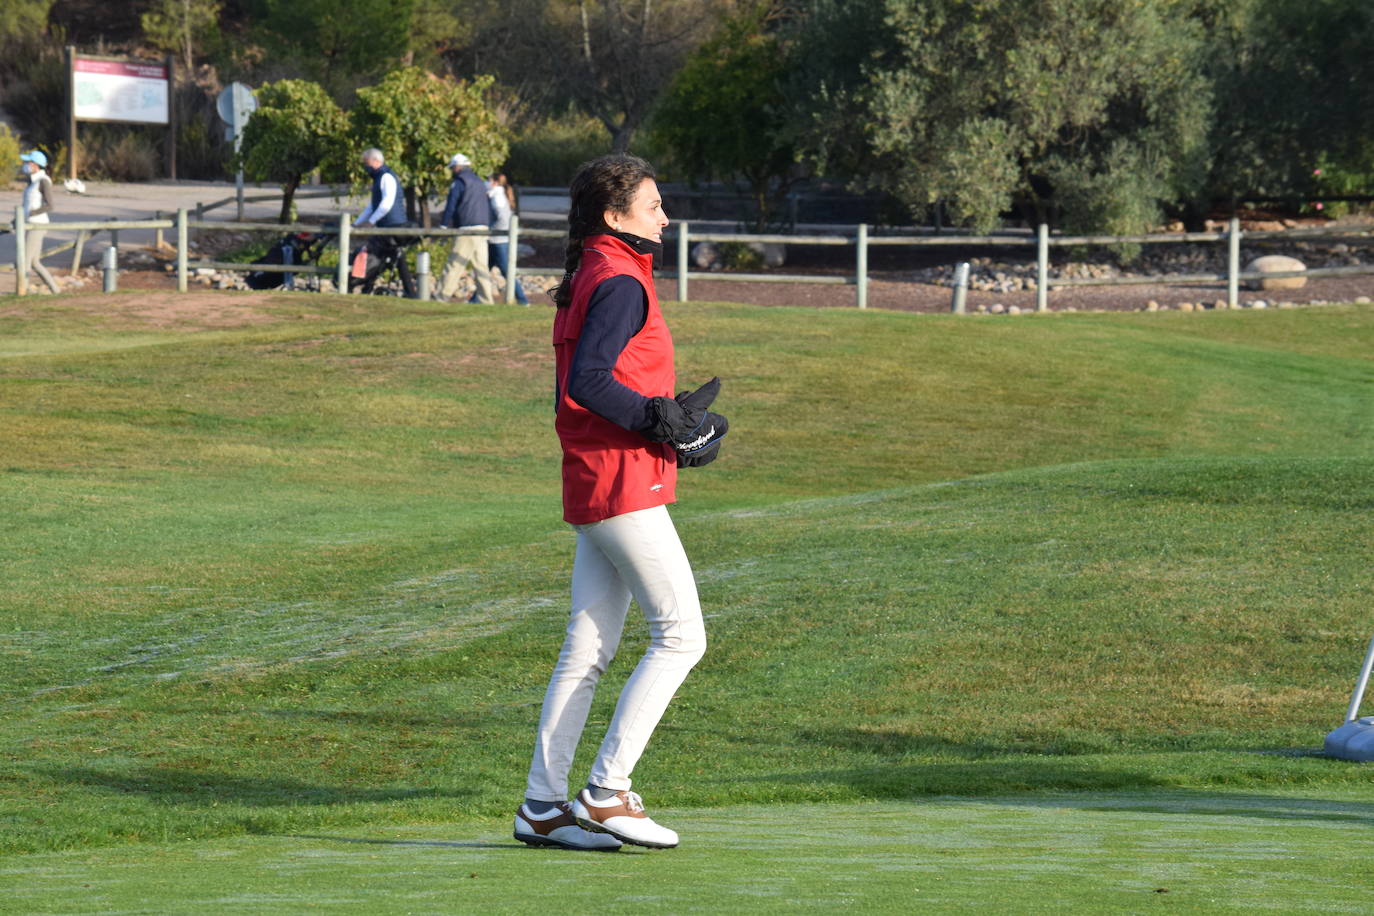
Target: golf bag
[296,248]
[380,262]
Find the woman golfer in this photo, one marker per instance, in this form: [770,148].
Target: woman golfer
[624,435]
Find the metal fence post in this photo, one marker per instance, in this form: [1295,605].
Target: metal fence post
[157,236]
[1233,262]
[341,275]
[956,302]
[682,265]
[111,269]
[862,242]
[1042,268]
[181,250]
[21,254]
[512,242]
[422,278]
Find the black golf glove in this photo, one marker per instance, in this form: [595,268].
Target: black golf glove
[685,422]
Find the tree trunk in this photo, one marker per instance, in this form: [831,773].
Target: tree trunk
[288,194]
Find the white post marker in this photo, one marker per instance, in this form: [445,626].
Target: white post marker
[110,266]
[1355,739]
[422,277]
[960,284]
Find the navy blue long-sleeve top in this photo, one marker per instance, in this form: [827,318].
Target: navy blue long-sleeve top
[616,312]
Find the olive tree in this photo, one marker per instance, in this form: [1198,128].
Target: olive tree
[419,120]
[1093,112]
[296,129]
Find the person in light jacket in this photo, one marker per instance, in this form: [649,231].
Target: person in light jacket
[37,206]
[502,197]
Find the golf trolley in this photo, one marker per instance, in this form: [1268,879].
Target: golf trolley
[1355,739]
[378,268]
[296,248]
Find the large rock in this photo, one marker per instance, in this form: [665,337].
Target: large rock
[705,255]
[1275,263]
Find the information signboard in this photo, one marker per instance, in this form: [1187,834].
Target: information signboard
[111,90]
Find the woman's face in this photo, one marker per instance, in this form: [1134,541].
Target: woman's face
[645,218]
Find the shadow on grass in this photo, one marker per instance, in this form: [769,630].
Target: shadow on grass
[451,844]
[1207,803]
[923,765]
[208,787]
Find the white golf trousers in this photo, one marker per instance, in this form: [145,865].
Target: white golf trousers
[637,555]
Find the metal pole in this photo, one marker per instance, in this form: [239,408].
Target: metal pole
[1233,263]
[181,250]
[682,265]
[111,268]
[157,237]
[21,259]
[956,304]
[1042,268]
[1354,710]
[862,291]
[341,276]
[422,277]
[288,257]
[512,240]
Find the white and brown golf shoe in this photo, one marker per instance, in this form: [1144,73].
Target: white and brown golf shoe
[623,817]
[559,828]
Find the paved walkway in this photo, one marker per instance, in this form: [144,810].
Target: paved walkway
[109,200]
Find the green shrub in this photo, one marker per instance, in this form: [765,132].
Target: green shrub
[741,256]
[547,153]
[9,151]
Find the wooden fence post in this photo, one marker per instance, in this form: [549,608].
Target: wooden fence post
[862,265]
[76,251]
[21,259]
[181,250]
[1233,262]
[341,275]
[1042,268]
[682,261]
[512,246]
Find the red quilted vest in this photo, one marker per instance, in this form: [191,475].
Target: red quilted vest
[608,470]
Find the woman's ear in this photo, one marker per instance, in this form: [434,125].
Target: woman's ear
[612,219]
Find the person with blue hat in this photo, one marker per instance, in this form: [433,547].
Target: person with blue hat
[37,206]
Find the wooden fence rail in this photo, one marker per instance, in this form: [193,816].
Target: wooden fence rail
[683,235]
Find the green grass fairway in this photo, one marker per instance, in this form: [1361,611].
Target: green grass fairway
[1041,614]
[1089,852]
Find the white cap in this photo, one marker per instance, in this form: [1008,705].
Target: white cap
[459,161]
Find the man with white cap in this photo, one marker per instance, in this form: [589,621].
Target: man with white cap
[37,206]
[467,208]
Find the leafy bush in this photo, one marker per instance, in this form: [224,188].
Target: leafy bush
[547,153]
[9,151]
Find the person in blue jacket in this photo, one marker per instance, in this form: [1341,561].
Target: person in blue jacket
[467,208]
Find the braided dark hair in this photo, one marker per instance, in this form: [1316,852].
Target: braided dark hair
[605,183]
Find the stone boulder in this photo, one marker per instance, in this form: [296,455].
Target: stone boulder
[1275,263]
